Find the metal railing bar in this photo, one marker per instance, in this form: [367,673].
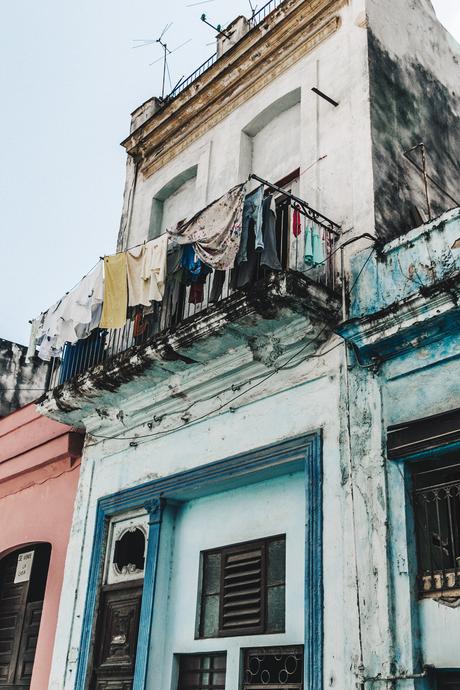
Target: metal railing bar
[103,345]
[314,215]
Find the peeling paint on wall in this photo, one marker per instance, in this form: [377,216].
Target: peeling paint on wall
[412,101]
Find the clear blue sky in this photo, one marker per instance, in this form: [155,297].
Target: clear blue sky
[69,79]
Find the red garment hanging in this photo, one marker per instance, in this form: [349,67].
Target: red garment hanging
[296,223]
[196,295]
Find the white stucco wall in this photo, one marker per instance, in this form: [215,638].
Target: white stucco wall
[311,403]
[276,148]
[177,206]
[339,185]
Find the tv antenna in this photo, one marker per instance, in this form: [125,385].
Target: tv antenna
[202,2]
[142,42]
[253,9]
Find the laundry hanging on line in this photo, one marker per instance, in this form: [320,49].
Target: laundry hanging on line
[314,248]
[216,230]
[252,215]
[219,237]
[70,319]
[115,291]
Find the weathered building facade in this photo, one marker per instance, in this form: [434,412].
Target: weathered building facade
[21,381]
[39,468]
[405,332]
[237,519]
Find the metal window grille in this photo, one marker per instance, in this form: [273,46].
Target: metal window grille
[243,589]
[437,521]
[273,668]
[202,671]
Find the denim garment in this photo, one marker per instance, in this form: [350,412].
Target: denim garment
[252,211]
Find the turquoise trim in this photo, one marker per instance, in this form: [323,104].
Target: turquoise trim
[314,596]
[155,510]
[299,453]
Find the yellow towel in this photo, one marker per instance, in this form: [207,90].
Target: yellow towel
[115,292]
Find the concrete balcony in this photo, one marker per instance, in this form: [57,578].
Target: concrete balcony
[258,327]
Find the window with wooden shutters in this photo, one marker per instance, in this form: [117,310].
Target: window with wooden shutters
[243,589]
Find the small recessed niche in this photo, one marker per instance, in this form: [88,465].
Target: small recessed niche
[129,552]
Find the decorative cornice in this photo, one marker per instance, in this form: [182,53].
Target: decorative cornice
[289,33]
[155,508]
[426,316]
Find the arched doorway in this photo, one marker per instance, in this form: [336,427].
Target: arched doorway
[23,575]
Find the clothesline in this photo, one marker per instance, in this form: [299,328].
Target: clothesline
[218,236]
[301,208]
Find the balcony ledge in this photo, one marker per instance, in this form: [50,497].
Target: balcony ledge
[258,325]
[426,316]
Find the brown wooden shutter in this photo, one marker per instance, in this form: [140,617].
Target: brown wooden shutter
[242,609]
[423,435]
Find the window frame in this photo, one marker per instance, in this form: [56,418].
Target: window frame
[213,654]
[434,582]
[278,650]
[445,678]
[260,629]
[298,453]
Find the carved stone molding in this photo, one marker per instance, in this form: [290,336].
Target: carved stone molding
[155,509]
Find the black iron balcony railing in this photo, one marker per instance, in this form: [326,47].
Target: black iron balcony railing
[257,18]
[178,305]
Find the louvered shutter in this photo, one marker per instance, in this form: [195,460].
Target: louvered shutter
[242,608]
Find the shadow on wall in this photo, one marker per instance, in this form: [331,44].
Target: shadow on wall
[410,105]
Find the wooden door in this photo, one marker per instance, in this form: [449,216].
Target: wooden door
[116,637]
[21,606]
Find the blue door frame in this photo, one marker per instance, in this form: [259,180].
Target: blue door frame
[300,453]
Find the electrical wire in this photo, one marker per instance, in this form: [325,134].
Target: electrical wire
[135,439]
[222,405]
[361,271]
[73,288]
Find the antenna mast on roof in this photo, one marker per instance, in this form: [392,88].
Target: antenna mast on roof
[253,9]
[166,52]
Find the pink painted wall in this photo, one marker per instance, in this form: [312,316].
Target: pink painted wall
[39,471]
